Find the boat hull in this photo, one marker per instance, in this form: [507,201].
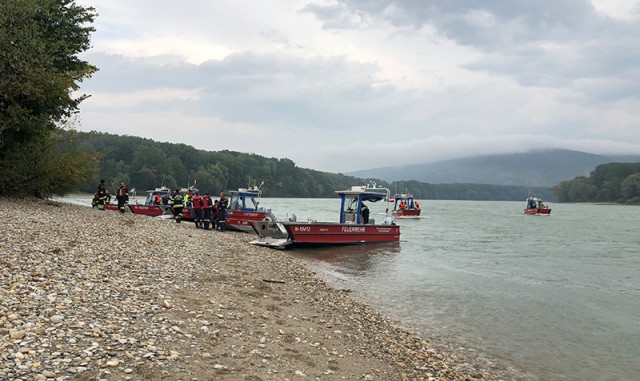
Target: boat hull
[241,220]
[151,210]
[534,211]
[284,234]
[412,213]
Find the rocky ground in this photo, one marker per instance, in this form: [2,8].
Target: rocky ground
[90,295]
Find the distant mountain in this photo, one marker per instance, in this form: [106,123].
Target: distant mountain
[537,168]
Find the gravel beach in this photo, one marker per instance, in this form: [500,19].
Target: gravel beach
[91,295]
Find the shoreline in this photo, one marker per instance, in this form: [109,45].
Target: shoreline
[89,295]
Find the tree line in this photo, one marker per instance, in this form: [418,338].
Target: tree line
[613,182]
[147,164]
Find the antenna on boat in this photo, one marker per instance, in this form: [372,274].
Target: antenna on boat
[259,193]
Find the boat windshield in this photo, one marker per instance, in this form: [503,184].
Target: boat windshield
[242,201]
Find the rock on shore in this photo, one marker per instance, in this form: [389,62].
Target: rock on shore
[91,295]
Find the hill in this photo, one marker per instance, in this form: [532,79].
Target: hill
[537,168]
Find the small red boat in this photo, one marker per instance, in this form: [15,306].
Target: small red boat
[535,206]
[404,206]
[244,207]
[154,206]
[355,226]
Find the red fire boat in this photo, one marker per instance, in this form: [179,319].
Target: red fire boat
[355,226]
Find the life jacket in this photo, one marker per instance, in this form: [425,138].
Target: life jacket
[197,202]
[206,202]
[157,199]
[178,201]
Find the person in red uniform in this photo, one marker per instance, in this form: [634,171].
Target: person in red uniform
[207,205]
[123,196]
[197,210]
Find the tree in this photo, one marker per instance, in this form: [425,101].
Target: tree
[630,187]
[39,73]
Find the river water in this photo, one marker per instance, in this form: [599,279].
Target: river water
[557,296]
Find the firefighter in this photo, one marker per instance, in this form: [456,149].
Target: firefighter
[177,200]
[122,195]
[364,211]
[102,195]
[222,212]
[207,204]
[196,201]
[214,215]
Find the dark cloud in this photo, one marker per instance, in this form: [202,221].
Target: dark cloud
[537,43]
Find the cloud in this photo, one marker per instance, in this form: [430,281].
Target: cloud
[348,85]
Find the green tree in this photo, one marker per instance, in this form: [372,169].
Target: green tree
[39,73]
[630,187]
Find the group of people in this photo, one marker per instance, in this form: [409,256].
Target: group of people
[205,212]
[404,205]
[102,196]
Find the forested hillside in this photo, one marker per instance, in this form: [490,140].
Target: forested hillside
[614,182]
[146,164]
[537,168]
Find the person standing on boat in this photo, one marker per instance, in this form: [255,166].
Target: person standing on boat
[196,201]
[364,211]
[122,196]
[206,210]
[102,195]
[178,203]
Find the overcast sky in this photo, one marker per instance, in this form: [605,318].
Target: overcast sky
[355,84]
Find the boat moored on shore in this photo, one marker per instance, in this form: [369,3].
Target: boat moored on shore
[354,226]
[244,207]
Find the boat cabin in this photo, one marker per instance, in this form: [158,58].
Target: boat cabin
[404,201]
[244,199]
[535,203]
[352,200]
[157,196]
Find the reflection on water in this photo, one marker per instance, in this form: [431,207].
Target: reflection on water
[350,256]
[342,263]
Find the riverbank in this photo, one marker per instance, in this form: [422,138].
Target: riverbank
[90,295]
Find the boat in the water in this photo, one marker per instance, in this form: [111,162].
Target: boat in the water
[404,206]
[354,227]
[244,207]
[535,206]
